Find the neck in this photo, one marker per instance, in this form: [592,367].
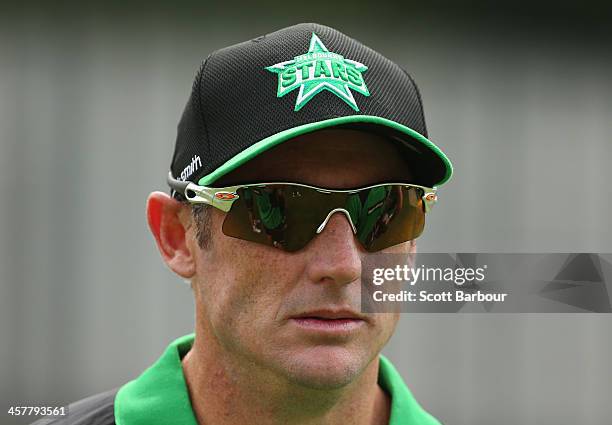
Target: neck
[225,390]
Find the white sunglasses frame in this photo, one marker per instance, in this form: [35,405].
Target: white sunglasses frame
[222,198]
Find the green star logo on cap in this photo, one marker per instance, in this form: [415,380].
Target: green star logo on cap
[318,70]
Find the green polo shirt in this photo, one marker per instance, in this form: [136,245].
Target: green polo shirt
[159,396]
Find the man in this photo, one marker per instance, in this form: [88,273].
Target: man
[299,154]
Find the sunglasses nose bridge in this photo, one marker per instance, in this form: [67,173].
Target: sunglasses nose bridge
[332,212]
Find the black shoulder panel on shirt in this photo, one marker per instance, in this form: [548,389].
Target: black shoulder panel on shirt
[95,410]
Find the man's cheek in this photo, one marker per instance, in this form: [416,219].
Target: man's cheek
[388,324]
[245,294]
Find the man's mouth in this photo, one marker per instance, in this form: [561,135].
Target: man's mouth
[329,321]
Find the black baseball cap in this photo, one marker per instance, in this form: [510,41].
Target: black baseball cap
[251,96]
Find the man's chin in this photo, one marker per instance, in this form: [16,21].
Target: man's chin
[324,367]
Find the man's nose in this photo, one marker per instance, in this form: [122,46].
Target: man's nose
[335,252]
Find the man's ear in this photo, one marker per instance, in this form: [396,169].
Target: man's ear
[163,215]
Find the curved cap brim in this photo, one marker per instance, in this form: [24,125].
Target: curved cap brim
[435,168]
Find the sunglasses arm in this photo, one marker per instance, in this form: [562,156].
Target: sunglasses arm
[429,198]
[221,198]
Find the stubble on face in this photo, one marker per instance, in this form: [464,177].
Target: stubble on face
[246,293]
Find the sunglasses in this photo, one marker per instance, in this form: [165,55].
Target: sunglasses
[289,215]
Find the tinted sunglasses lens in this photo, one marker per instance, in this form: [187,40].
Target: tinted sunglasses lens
[287,216]
[283,216]
[389,215]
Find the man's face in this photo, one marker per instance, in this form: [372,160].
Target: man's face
[249,296]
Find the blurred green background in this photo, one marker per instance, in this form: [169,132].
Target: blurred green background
[518,94]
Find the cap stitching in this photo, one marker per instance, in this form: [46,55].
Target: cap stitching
[208,150]
[418,92]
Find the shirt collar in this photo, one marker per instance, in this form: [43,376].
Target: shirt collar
[159,396]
